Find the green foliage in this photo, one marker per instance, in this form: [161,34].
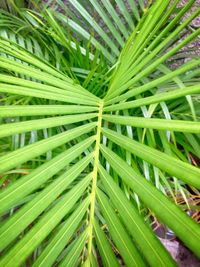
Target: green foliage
[98,134]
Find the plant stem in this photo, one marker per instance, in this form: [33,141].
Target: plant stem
[94,180]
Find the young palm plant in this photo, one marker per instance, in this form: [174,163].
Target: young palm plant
[99,142]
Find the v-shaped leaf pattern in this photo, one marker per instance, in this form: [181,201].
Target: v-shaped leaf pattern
[81,204]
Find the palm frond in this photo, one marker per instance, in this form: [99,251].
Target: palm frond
[119,147]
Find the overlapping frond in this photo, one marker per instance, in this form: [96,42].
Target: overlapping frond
[110,156]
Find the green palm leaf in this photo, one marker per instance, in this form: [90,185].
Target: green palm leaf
[118,146]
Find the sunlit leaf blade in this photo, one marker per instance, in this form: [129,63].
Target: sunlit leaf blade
[155,82]
[23,154]
[185,228]
[68,97]
[93,262]
[11,195]
[39,110]
[44,226]
[160,124]
[15,50]
[104,247]
[120,237]
[174,94]
[72,257]
[29,212]
[142,235]
[126,67]
[173,166]
[21,127]
[60,240]
[52,84]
